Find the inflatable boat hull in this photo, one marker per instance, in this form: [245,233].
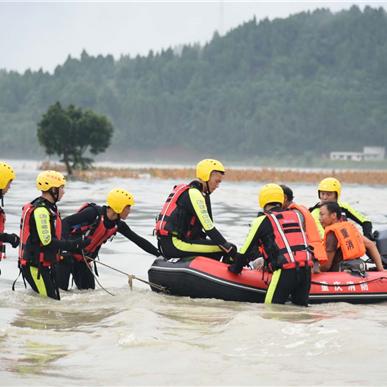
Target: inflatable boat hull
[201,277]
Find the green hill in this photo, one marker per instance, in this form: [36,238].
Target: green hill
[308,84]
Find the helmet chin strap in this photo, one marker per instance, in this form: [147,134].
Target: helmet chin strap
[2,198]
[54,192]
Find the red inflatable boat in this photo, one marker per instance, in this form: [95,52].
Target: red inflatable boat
[201,277]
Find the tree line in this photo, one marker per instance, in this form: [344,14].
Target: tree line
[308,84]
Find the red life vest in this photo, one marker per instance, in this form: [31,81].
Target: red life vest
[2,227]
[167,222]
[349,239]
[31,250]
[312,233]
[290,238]
[96,232]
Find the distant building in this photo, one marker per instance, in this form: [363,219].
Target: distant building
[370,153]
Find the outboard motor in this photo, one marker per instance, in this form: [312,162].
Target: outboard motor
[381,244]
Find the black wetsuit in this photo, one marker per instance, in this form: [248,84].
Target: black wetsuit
[82,274]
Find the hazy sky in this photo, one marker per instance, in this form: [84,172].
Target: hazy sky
[42,34]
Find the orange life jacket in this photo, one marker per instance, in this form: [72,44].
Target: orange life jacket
[290,238]
[167,223]
[2,227]
[31,250]
[97,232]
[350,241]
[312,233]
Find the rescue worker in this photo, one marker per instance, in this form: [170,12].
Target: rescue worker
[310,227]
[185,220]
[342,240]
[7,175]
[278,235]
[329,189]
[97,224]
[40,236]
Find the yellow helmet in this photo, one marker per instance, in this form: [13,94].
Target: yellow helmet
[330,184]
[206,166]
[6,174]
[49,179]
[118,199]
[270,193]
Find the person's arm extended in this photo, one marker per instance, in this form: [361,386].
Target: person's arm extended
[359,218]
[141,242]
[43,227]
[200,208]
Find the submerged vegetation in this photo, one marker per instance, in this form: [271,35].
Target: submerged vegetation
[232,174]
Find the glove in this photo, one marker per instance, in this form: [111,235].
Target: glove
[367,230]
[229,248]
[78,244]
[13,239]
[237,266]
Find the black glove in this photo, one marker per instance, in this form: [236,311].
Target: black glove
[13,239]
[229,248]
[78,244]
[237,266]
[367,230]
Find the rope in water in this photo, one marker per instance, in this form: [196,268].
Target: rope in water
[131,277]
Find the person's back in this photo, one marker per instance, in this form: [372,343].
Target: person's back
[278,234]
[310,226]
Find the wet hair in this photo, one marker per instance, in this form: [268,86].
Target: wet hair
[287,192]
[333,208]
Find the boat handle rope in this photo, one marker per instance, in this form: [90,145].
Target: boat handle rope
[131,277]
[350,284]
[94,275]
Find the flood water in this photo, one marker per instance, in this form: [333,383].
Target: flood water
[142,338]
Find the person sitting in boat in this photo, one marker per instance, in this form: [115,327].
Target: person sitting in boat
[185,220]
[97,224]
[7,175]
[278,234]
[329,190]
[40,236]
[310,227]
[342,240]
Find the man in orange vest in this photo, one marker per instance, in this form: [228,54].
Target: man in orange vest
[310,226]
[342,240]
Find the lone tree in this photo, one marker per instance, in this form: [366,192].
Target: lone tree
[70,132]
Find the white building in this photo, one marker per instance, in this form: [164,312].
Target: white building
[370,153]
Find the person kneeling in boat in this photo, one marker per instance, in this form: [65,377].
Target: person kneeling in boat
[97,224]
[278,234]
[342,240]
[310,227]
[7,175]
[186,217]
[329,190]
[40,236]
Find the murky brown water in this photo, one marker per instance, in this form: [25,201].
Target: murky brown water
[143,338]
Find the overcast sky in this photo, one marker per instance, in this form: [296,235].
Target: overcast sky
[42,34]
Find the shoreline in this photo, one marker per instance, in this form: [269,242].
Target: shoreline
[237,174]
